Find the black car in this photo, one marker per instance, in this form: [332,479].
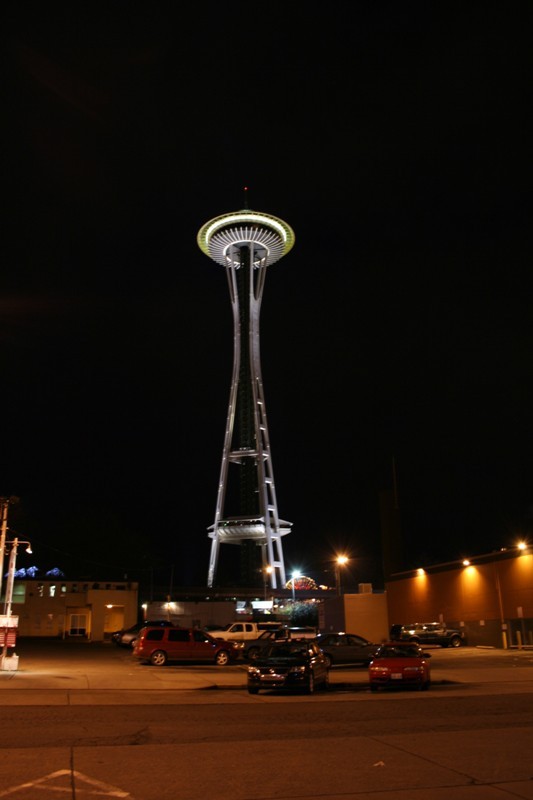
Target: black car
[346,648]
[297,665]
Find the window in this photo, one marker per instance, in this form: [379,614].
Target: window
[178,635]
[155,635]
[237,628]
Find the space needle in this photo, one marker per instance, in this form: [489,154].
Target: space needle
[246,242]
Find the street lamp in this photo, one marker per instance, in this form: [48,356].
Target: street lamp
[294,576]
[340,562]
[267,571]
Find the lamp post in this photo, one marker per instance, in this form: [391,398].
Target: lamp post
[294,576]
[267,571]
[340,562]
[503,623]
[9,590]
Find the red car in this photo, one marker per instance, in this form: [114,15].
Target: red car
[160,645]
[399,664]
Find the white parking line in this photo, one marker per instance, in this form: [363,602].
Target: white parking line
[61,782]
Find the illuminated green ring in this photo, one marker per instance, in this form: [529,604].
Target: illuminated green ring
[234,225]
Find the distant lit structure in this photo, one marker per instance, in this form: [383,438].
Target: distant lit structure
[245,243]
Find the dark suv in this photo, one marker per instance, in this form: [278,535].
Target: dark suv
[427,633]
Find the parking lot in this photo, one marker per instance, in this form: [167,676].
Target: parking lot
[76,666]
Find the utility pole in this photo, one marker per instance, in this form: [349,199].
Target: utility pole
[4,504]
[6,620]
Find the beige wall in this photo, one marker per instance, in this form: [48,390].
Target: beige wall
[365,614]
[51,608]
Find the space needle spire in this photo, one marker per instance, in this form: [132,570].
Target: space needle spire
[246,242]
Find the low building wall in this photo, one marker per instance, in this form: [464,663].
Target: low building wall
[365,614]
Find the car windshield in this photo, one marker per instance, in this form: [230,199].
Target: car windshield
[288,650]
[398,652]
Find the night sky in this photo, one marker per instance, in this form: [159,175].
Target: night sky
[396,142]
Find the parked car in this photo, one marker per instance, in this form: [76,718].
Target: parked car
[399,664]
[252,648]
[126,637]
[346,648]
[160,645]
[297,665]
[427,633]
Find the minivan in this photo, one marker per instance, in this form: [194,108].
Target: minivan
[160,645]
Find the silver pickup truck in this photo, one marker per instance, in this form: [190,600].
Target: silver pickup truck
[244,631]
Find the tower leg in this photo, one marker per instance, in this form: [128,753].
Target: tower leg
[213,561]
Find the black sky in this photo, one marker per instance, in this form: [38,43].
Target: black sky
[396,141]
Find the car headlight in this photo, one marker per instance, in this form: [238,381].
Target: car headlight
[297,670]
[413,669]
[254,672]
[379,671]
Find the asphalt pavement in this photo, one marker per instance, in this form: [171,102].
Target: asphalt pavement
[421,765]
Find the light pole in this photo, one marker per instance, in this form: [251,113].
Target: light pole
[503,623]
[9,590]
[267,571]
[340,562]
[294,576]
